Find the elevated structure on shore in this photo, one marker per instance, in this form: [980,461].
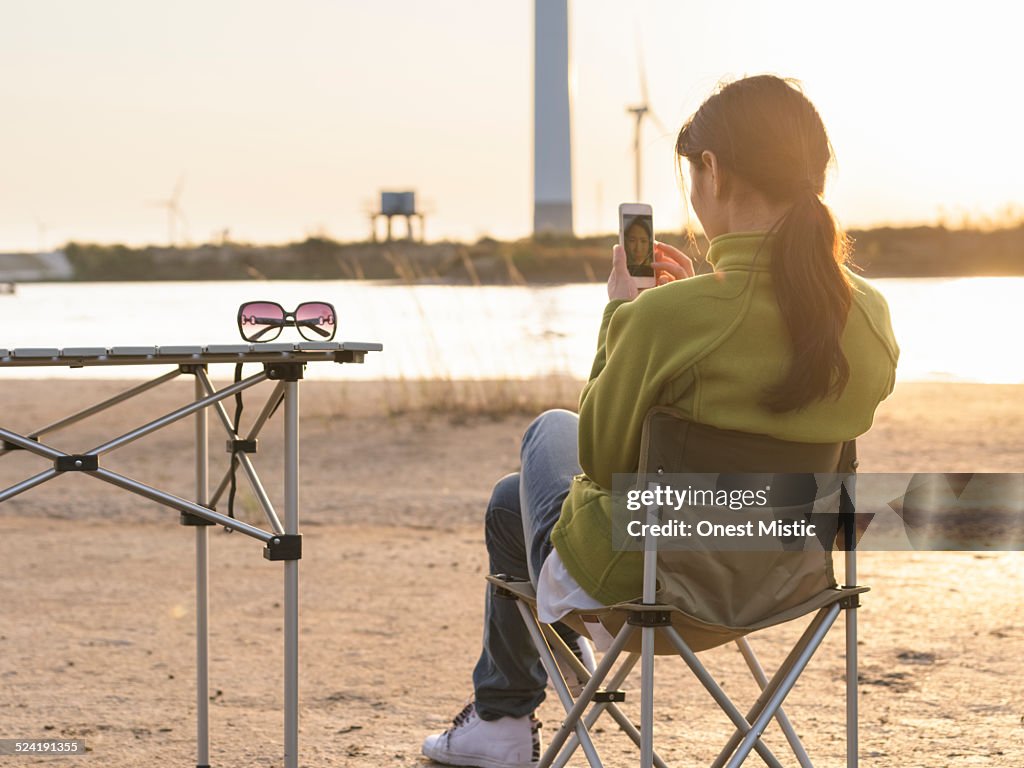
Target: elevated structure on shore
[398,204]
[552,143]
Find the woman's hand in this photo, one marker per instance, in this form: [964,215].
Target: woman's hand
[620,283]
[670,264]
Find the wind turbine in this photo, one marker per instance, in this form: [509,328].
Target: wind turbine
[639,112]
[174,212]
[41,229]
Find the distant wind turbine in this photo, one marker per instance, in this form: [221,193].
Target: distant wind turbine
[639,112]
[41,229]
[174,213]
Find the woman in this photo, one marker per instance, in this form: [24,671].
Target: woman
[781,340]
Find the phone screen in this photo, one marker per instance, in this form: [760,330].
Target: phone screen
[638,240]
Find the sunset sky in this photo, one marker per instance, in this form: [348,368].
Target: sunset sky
[286,119]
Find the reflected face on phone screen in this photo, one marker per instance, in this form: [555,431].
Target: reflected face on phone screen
[637,240]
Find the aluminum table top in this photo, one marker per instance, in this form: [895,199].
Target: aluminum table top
[80,357]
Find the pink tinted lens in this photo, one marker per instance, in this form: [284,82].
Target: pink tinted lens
[261,320]
[316,321]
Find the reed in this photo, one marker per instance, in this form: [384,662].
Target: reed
[458,400]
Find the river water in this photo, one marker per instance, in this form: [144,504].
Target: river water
[949,329]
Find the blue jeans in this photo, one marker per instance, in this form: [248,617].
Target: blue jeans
[509,680]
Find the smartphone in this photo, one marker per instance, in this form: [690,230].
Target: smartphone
[636,236]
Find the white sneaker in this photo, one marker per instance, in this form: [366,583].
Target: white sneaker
[584,651]
[509,742]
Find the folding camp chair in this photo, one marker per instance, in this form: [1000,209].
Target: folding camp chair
[693,601]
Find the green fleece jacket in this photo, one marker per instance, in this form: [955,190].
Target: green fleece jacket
[707,347]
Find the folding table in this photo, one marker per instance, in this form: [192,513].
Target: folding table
[282,363]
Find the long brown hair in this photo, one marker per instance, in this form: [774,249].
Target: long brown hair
[764,130]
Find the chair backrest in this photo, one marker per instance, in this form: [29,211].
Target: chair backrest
[741,589]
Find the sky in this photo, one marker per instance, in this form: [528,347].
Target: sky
[285,120]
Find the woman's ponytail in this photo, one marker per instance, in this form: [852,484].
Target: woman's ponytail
[814,297]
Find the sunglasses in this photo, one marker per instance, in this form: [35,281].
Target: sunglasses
[263,320]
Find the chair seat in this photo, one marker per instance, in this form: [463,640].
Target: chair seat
[699,635]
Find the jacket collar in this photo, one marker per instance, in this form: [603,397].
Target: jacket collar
[745,251]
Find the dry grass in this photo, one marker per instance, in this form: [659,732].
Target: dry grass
[458,400]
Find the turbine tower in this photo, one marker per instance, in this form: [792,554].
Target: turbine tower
[552,154]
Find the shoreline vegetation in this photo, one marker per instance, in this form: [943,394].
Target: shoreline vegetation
[925,251]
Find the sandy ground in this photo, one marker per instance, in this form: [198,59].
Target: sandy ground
[97,626]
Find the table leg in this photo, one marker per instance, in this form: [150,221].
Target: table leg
[291,576]
[202,592]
